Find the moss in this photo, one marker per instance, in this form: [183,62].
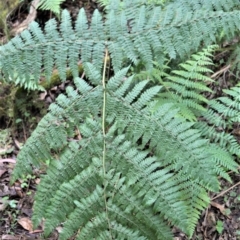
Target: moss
[6,7]
[55,78]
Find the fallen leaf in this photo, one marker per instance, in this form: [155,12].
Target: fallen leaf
[37,231]
[211,219]
[37,180]
[3,207]
[43,95]
[220,207]
[9,237]
[26,223]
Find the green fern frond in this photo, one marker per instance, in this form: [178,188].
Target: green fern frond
[184,87]
[219,5]
[234,59]
[219,118]
[139,180]
[52,5]
[131,30]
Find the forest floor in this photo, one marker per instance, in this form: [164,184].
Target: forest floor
[220,221]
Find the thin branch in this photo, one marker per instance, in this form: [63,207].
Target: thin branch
[222,70]
[225,191]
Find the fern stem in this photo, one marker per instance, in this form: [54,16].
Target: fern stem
[104,134]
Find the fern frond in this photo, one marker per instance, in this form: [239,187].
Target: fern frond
[219,118]
[234,59]
[52,5]
[139,180]
[184,87]
[132,29]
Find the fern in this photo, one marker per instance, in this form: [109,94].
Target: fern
[135,182]
[185,91]
[184,87]
[219,119]
[123,164]
[52,5]
[132,30]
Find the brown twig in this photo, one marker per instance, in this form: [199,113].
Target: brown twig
[225,191]
[31,16]
[10,160]
[222,70]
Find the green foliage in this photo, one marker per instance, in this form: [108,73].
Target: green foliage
[234,60]
[185,91]
[219,227]
[52,5]
[184,86]
[105,3]
[123,160]
[220,116]
[132,30]
[135,180]
[11,203]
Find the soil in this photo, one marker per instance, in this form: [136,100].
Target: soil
[221,221]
